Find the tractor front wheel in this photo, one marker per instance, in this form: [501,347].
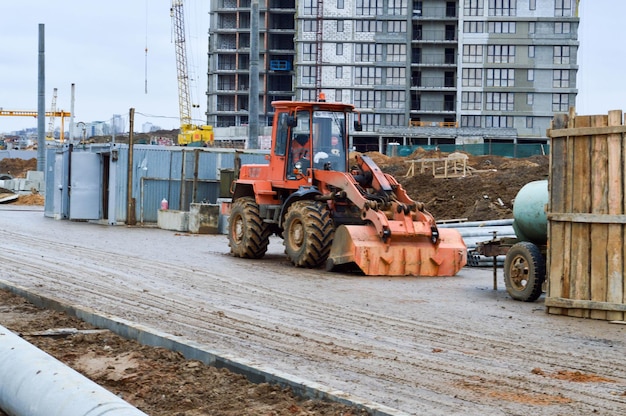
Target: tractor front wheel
[308,233]
[248,235]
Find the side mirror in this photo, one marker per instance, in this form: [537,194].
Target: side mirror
[357,125]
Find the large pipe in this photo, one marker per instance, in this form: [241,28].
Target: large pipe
[35,384]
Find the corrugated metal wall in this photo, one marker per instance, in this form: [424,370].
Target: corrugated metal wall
[157,173]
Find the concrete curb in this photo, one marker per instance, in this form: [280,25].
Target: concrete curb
[255,372]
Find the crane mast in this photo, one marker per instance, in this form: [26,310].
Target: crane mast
[53,109]
[190,134]
[184,99]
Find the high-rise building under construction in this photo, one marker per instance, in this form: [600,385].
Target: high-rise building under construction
[432,71]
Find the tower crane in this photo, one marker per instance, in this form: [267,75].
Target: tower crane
[53,109]
[190,134]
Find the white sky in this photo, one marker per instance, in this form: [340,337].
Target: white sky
[100,47]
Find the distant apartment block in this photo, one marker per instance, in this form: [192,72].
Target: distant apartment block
[428,71]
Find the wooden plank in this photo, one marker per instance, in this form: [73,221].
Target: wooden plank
[599,231]
[581,304]
[588,218]
[557,203]
[581,203]
[586,131]
[615,235]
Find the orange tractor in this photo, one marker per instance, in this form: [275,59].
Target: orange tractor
[329,212]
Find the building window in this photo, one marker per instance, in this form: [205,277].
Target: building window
[397,7]
[396,26]
[308,75]
[368,26]
[339,49]
[501,54]
[369,7]
[310,7]
[498,121]
[368,52]
[529,122]
[473,7]
[563,8]
[396,52]
[309,53]
[561,27]
[531,27]
[560,102]
[308,95]
[394,119]
[530,98]
[368,99]
[340,25]
[338,95]
[473,53]
[367,76]
[501,27]
[395,99]
[560,78]
[531,75]
[395,76]
[531,51]
[470,121]
[561,54]
[338,72]
[340,4]
[471,100]
[472,77]
[532,5]
[502,7]
[500,77]
[473,27]
[309,26]
[371,122]
[500,101]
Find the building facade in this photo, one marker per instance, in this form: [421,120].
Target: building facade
[447,71]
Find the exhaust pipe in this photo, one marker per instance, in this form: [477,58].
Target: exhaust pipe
[34,383]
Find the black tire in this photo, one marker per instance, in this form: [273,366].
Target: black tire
[524,272]
[248,235]
[308,233]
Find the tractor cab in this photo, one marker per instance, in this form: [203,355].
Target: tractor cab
[312,136]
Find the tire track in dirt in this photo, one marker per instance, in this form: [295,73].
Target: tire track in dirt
[394,365]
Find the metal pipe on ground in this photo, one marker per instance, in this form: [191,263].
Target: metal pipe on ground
[33,383]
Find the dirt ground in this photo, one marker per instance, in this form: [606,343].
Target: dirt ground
[160,382]
[155,380]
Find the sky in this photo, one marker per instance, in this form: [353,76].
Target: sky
[100,47]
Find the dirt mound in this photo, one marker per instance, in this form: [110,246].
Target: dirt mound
[485,193]
[17,167]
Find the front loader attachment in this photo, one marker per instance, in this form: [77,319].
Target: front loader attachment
[399,255]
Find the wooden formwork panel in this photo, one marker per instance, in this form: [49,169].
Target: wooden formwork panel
[587,217]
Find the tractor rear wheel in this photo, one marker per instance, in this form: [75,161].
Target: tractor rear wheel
[308,233]
[248,235]
[524,272]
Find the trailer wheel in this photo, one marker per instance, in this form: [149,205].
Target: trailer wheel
[308,233]
[248,235]
[524,272]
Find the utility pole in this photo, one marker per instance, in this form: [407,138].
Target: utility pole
[253,95]
[41,104]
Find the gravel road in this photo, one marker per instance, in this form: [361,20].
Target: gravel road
[437,346]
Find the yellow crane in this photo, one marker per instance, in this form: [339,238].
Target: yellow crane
[190,134]
[21,113]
